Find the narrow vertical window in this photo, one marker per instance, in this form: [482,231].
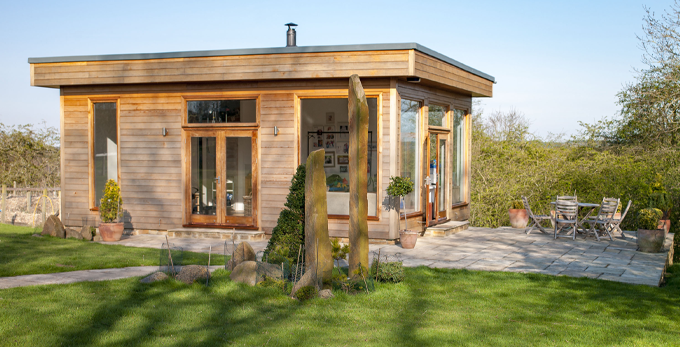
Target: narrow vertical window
[105,147]
[409,151]
[458,156]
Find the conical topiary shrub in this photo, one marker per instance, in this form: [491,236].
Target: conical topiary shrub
[289,232]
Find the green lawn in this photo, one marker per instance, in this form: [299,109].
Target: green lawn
[431,308]
[23,254]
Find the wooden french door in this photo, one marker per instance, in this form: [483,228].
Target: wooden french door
[435,185]
[221,177]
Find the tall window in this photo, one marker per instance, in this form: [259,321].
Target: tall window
[105,140]
[409,151]
[458,156]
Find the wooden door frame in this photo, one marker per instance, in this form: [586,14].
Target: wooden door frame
[429,221]
[219,219]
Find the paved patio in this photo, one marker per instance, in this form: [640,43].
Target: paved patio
[508,249]
[502,249]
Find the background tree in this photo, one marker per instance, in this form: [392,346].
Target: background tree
[29,155]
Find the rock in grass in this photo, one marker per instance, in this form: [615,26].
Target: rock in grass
[73,234]
[244,252]
[326,294]
[86,233]
[191,273]
[53,227]
[154,277]
[254,272]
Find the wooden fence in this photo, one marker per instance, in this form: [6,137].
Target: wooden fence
[29,192]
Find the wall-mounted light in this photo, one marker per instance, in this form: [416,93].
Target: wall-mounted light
[413,79]
[164,131]
[276,130]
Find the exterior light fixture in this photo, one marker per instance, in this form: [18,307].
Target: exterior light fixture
[164,131]
[276,130]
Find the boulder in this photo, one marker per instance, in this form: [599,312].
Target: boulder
[53,227]
[191,273]
[156,276]
[86,233]
[326,294]
[254,272]
[73,234]
[243,252]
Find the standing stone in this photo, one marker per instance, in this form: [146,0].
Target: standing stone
[86,232]
[316,226]
[53,227]
[358,177]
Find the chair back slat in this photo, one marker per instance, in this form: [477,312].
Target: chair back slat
[568,210]
[526,206]
[608,208]
[572,198]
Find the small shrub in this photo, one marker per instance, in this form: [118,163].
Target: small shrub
[648,218]
[270,282]
[517,205]
[110,208]
[306,293]
[289,231]
[392,271]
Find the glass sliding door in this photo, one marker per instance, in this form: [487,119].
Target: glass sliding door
[441,177]
[437,176]
[458,171]
[222,184]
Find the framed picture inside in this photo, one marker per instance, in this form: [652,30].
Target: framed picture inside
[329,159]
[329,128]
[343,147]
[330,117]
[343,127]
[343,169]
[343,159]
[330,144]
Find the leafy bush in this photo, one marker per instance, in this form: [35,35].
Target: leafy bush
[289,232]
[392,271]
[270,282]
[110,208]
[29,155]
[399,186]
[306,293]
[648,218]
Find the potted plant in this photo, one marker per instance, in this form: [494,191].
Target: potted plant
[650,237]
[111,227]
[518,215]
[402,186]
[660,199]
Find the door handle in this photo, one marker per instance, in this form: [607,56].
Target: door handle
[218,179]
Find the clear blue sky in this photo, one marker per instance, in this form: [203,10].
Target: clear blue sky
[558,62]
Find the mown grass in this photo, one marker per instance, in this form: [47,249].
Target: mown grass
[23,254]
[431,308]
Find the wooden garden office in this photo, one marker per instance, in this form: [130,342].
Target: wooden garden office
[211,139]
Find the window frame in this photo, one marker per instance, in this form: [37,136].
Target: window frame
[445,121]
[419,144]
[219,97]
[343,94]
[90,146]
[466,158]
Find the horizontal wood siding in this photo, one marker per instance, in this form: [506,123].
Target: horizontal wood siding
[433,69]
[75,186]
[227,68]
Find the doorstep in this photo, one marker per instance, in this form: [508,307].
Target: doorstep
[207,233]
[446,229]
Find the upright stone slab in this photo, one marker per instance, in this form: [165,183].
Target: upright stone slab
[316,226]
[358,177]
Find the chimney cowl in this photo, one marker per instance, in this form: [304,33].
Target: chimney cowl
[290,42]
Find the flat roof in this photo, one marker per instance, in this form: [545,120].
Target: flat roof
[258,51]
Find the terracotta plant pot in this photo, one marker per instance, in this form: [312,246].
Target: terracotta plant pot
[518,218]
[408,239]
[665,224]
[650,241]
[111,232]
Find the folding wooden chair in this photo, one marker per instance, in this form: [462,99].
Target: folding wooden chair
[603,218]
[536,218]
[614,224]
[566,214]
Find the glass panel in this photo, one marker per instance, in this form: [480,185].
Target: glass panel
[433,174]
[239,184]
[458,171]
[442,174]
[324,124]
[203,175]
[436,116]
[105,147]
[410,149]
[221,111]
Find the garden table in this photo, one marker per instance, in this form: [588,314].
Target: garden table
[580,221]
